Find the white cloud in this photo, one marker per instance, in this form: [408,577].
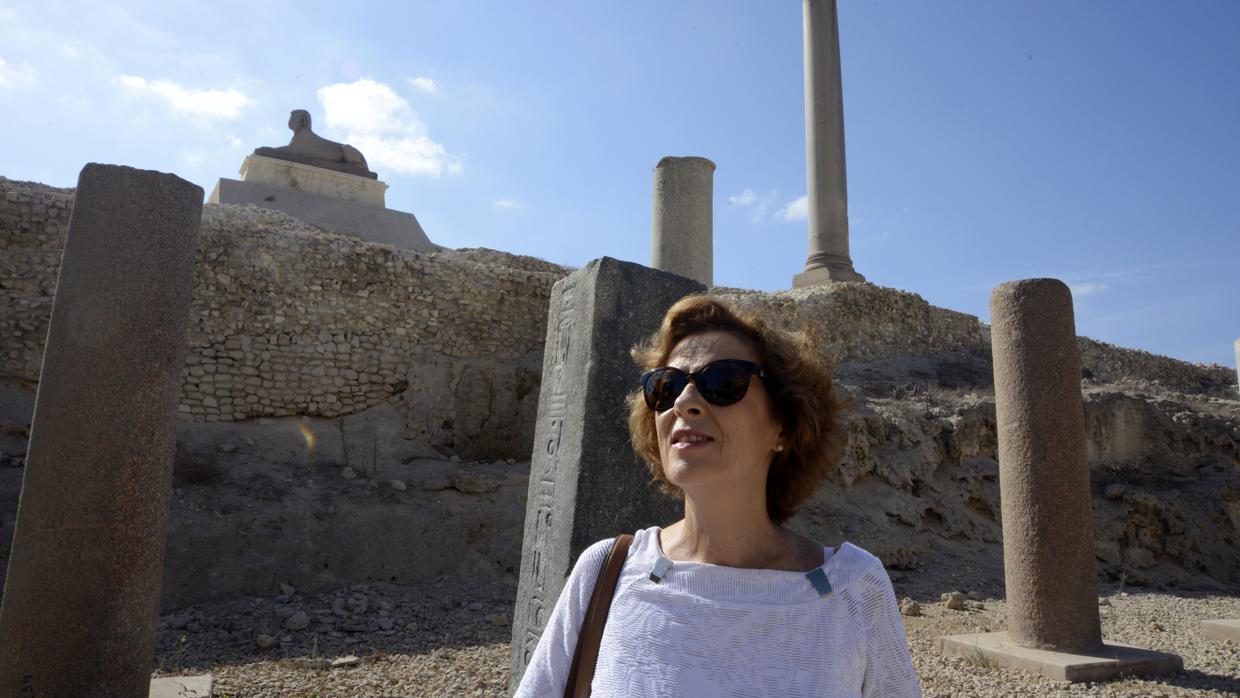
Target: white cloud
[380,123]
[795,210]
[508,202]
[233,141]
[15,75]
[1080,290]
[758,205]
[208,104]
[745,198]
[424,84]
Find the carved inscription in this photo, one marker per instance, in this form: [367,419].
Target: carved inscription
[553,411]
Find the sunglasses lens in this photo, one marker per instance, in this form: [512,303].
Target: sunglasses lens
[723,382]
[662,386]
[720,383]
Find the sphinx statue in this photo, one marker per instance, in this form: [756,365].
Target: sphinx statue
[309,148]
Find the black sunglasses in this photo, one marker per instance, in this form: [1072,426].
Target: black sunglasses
[721,382]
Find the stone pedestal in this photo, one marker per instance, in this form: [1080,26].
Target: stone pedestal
[683,238]
[313,180]
[337,201]
[182,687]
[370,223]
[829,258]
[1048,536]
[82,593]
[586,483]
[1108,661]
[1221,630]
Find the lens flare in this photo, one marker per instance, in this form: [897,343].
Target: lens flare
[308,435]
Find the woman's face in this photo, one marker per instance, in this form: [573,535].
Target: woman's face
[703,445]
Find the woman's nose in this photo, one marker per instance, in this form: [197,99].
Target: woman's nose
[690,400]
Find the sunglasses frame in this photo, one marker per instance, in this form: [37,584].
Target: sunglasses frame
[750,368]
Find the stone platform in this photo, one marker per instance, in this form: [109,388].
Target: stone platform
[352,217]
[320,181]
[1112,660]
[182,687]
[1222,630]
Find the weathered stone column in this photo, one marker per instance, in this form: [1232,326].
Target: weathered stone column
[82,592]
[829,259]
[1048,532]
[586,484]
[1237,345]
[1050,575]
[683,240]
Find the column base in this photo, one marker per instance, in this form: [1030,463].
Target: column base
[1113,659]
[1221,630]
[825,275]
[182,687]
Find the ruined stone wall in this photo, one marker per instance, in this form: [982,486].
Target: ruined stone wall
[864,322]
[1107,363]
[291,320]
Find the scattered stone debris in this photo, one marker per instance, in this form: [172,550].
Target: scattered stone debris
[472,484]
[953,600]
[298,621]
[346,661]
[909,607]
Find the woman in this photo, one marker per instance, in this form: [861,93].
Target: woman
[741,422]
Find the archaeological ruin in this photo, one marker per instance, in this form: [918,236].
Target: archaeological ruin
[286,428]
[342,403]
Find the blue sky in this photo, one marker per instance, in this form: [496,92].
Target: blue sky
[1096,142]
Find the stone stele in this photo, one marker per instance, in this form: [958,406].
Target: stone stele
[683,237]
[82,593]
[1048,536]
[586,483]
[323,183]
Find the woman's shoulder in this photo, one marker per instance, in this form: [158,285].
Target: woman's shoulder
[596,552]
[850,565]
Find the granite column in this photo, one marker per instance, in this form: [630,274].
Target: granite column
[1048,531]
[82,593]
[683,237]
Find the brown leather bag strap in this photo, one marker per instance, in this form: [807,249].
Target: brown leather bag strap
[586,656]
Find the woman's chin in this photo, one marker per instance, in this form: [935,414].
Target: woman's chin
[682,469]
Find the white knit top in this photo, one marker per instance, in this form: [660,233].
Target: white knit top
[711,630]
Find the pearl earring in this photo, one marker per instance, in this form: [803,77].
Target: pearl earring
[779,447]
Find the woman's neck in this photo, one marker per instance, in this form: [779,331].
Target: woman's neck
[735,534]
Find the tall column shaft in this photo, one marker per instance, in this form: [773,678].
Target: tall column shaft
[1048,532]
[683,238]
[827,194]
[1238,364]
[82,593]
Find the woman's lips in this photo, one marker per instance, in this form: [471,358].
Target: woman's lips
[688,445]
[684,439]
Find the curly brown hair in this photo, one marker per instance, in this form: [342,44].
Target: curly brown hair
[803,398]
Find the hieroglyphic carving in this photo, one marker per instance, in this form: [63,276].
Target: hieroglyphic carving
[552,412]
[596,315]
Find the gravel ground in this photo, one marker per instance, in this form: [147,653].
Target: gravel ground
[452,640]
